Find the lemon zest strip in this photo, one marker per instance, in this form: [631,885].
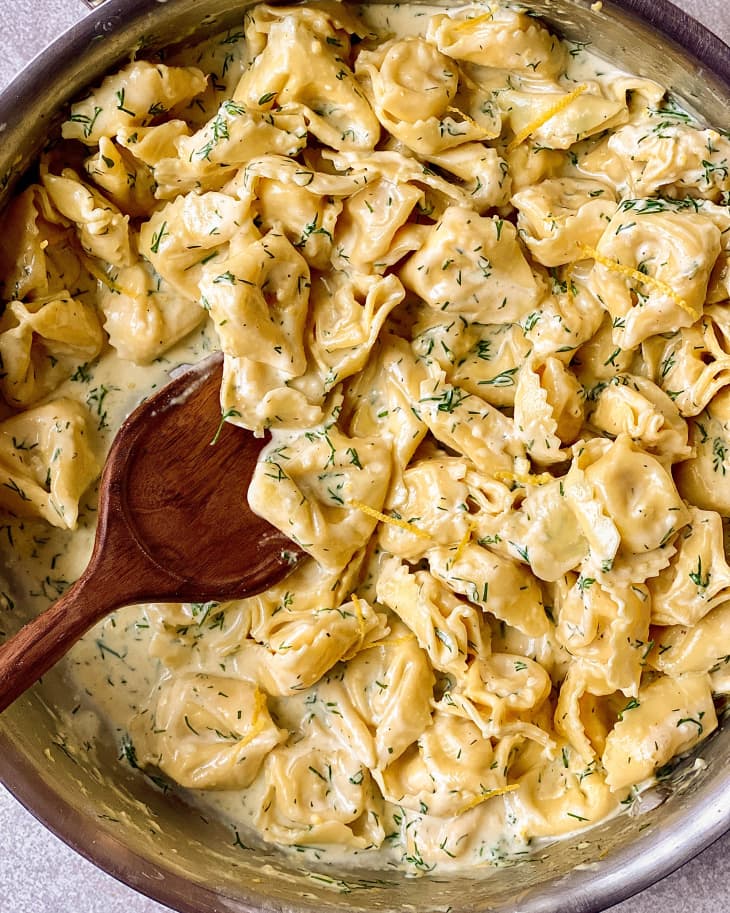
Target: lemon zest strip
[569,293]
[393,521]
[546,116]
[258,721]
[357,602]
[472,123]
[631,273]
[469,24]
[489,794]
[524,479]
[384,642]
[464,540]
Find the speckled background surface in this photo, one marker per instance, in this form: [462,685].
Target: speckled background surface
[38,873]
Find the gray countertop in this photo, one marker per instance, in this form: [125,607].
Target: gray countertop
[38,873]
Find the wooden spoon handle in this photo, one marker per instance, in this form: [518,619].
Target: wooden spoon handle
[44,640]
[118,574]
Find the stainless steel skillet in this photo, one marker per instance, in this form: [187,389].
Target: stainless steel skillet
[158,845]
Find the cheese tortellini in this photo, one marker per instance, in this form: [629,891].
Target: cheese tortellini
[474,288]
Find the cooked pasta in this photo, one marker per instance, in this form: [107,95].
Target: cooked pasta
[475,286]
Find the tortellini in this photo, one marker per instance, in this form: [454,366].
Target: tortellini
[547,410]
[377,684]
[558,214]
[371,221]
[187,235]
[473,267]
[447,628]
[258,299]
[560,119]
[664,153]
[680,648]
[314,486]
[102,229]
[210,731]
[652,269]
[501,38]
[448,770]
[698,577]
[316,794]
[703,479]
[41,341]
[300,70]
[133,97]
[128,182]
[497,584]
[35,258]
[542,526]
[669,717]
[624,498]
[503,695]
[471,287]
[634,405]
[691,366]
[234,136]
[606,627]
[413,89]
[144,315]
[47,462]
[561,796]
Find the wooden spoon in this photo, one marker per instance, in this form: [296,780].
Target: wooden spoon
[174,524]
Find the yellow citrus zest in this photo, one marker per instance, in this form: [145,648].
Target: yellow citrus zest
[392,521]
[570,294]
[258,721]
[523,478]
[488,794]
[546,116]
[469,24]
[389,642]
[357,602]
[464,540]
[630,273]
[472,123]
